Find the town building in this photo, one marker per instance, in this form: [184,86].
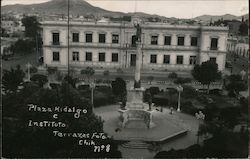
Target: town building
[12,26]
[238,46]
[111,45]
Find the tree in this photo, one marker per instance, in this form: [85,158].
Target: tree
[32,26]
[71,80]
[119,88]
[206,73]
[88,72]
[236,84]
[42,142]
[32,30]
[23,46]
[39,79]
[243,29]
[12,79]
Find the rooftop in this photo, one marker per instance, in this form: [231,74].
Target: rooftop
[129,24]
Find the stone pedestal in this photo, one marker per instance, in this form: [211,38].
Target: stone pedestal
[136,114]
[135,98]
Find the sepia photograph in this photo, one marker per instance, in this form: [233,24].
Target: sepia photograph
[136,79]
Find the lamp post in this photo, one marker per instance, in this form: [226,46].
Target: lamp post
[92,87]
[199,116]
[28,65]
[179,89]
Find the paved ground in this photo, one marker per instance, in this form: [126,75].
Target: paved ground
[109,113]
[165,126]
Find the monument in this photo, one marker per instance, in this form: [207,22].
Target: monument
[136,113]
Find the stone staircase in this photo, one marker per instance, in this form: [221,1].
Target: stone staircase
[135,145]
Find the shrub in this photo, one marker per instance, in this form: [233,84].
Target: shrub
[119,70]
[173,75]
[83,87]
[106,72]
[52,70]
[54,85]
[215,92]
[160,100]
[181,80]
[189,92]
[154,90]
[33,69]
[102,98]
[39,79]
[188,107]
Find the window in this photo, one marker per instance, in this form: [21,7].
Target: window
[166,59]
[167,40]
[88,56]
[192,60]
[179,60]
[102,57]
[114,57]
[194,41]
[75,37]
[154,40]
[75,56]
[88,38]
[102,38]
[133,41]
[214,44]
[115,38]
[153,59]
[181,41]
[56,56]
[55,39]
[213,59]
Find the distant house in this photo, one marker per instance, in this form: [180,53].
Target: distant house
[6,44]
[12,26]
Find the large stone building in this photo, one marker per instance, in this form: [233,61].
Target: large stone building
[112,45]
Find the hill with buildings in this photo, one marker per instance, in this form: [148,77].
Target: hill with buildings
[208,18]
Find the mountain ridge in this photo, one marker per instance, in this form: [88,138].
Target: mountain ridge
[82,7]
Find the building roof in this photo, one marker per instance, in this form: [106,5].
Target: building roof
[129,24]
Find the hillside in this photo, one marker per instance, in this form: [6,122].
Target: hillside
[79,7]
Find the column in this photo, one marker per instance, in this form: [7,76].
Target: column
[138,65]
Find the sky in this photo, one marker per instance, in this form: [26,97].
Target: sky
[168,8]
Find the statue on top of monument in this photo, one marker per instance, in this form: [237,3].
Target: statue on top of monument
[138,32]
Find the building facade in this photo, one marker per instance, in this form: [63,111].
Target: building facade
[112,45]
[239,46]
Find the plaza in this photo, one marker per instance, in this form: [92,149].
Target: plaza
[177,130]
